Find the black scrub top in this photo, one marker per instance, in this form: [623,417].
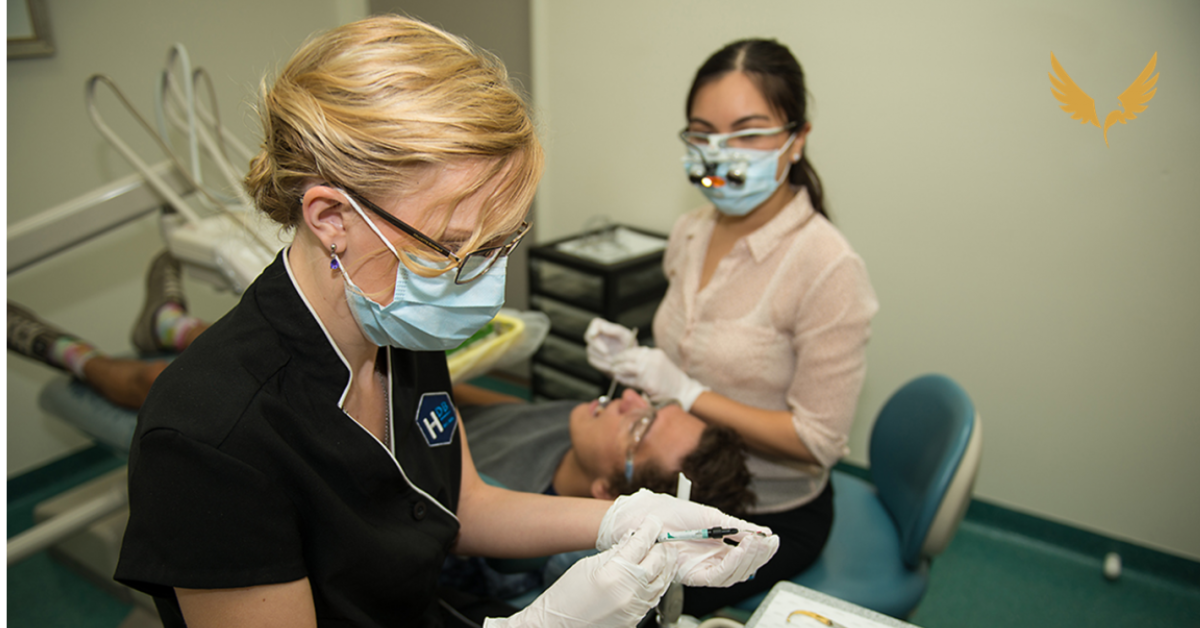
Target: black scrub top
[245,471]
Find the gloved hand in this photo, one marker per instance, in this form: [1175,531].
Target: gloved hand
[615,588]
[704,563]
[605,340]
[652,372]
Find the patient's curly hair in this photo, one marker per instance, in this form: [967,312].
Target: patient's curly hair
[716,468]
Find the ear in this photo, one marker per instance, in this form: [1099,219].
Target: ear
[324,210]
[798,145]
[601,489]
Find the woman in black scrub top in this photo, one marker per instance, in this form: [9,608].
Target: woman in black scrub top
[302,464]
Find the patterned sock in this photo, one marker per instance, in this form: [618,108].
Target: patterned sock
[172,324]
[70,353]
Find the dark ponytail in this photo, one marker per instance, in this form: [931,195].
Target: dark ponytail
[771,66]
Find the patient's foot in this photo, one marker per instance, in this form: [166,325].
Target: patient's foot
[28,334]
[164,324]
[37,339]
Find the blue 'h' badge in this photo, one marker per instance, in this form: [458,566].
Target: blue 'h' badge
[436,419]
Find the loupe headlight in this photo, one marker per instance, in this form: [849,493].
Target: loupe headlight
[703,173]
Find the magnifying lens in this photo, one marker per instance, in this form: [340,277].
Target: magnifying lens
[704,174]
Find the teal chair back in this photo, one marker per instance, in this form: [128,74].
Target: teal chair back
[925,450]
[918,446]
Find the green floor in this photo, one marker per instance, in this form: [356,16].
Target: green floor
[989,576]
[42,592]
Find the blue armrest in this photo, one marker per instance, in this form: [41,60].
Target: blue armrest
[76,403]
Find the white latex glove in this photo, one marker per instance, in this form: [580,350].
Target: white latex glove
[652,372]
[704,563]
[605,340]
[616,588]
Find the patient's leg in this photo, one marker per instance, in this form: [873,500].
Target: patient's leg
[123,382]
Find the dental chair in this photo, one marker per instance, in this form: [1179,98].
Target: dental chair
[211,231]
[83,527]
[924,451]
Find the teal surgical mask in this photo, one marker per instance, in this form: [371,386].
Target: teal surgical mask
[736,180]
[426,313]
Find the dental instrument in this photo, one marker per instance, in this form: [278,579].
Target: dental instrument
[696,535]
[607,397]
[670,607]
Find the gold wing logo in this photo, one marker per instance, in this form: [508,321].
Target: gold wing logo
[1081,106]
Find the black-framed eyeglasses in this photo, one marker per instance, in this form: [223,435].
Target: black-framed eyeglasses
[471,266]
[637,432]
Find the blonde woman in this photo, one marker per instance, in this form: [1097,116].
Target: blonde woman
[302,464]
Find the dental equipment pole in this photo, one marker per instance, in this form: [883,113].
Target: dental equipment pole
[159,186]
[178,52]
[209,118]
[212,119]
[52,231]
[65,525]
[215,146]
[170,93]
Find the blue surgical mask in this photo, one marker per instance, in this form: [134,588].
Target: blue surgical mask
[426,313]
[755,169]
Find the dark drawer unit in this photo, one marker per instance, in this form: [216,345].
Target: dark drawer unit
[576,279]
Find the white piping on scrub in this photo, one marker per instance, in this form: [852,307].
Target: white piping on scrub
[342,400]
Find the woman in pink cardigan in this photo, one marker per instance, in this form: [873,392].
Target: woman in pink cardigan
[765,324]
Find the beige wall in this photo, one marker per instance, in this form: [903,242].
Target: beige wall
[55,154]
[1055,278]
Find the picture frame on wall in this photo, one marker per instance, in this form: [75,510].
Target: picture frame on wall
[28,30]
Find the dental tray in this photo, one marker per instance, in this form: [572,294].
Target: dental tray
[480,352]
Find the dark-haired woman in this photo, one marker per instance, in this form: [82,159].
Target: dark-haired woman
[765,324]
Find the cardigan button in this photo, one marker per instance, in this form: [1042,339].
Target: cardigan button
[418,511]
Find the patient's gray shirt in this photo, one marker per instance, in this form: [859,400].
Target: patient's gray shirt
[519,444]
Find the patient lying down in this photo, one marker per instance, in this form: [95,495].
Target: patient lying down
[603,451]
[583,450]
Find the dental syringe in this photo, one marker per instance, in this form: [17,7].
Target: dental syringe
[695,535]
